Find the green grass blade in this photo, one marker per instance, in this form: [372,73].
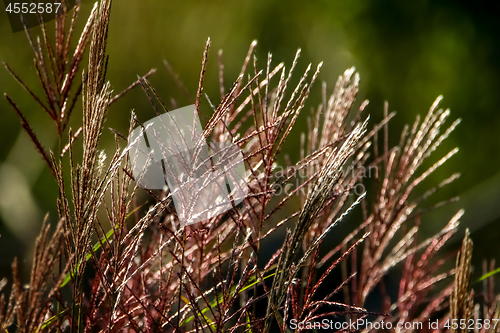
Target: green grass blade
[52,319]
[95,248]
[487,275]
[233,289]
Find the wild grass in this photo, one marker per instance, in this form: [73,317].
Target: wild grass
[136,269]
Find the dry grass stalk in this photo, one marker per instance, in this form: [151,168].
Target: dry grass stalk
[462,297]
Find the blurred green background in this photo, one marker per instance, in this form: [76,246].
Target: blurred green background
[407,52]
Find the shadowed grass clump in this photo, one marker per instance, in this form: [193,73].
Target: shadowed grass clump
[113,264]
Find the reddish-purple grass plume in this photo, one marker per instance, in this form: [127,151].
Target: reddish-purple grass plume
[113,264]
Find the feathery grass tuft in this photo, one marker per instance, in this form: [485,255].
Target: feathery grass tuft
[113,264]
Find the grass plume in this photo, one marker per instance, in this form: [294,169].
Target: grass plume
[115,264]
